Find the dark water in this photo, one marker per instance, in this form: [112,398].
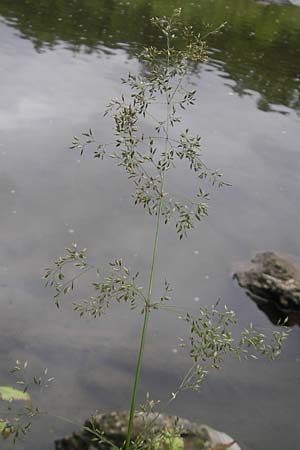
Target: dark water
[61,62]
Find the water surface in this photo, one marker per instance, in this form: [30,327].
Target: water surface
[61,62]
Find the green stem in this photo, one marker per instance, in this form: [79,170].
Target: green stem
[145,325]
[149,294]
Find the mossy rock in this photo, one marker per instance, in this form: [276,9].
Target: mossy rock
[188,435]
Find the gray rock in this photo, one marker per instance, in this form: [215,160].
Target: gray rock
[114,427]
[274,280]
[279,2]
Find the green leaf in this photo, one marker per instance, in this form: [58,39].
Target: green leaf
[8,394]
[5,429]
[169,442]
[3,424]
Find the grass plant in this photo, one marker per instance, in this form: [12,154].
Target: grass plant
[147,160]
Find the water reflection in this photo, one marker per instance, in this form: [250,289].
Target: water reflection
[275,315]
[50,197]
[258,49]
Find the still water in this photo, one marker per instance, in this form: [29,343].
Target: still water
[61,62]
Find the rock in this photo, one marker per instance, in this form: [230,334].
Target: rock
[279,2]
[273,281]
[114,427]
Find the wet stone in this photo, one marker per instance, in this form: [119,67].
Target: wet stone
[279,2]
[273,281]
[114,427]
